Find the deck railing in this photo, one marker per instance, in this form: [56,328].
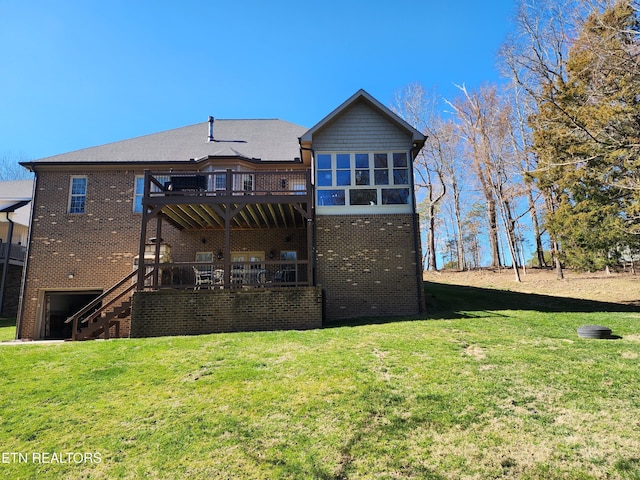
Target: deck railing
[205,275]
[16,252]
[227,183]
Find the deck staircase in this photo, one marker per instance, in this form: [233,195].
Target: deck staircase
[96,321]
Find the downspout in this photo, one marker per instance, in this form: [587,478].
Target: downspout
[27,263]
[422,304]
[5,261]
[312,194]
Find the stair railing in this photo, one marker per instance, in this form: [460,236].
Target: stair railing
[75,318]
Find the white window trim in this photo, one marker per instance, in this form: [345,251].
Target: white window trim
[71,195]
[363,209]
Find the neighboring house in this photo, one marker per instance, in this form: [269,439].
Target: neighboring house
[227,225]
[15,213]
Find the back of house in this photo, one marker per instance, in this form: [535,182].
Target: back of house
[227,225]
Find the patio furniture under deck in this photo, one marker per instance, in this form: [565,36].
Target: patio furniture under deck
[249,200]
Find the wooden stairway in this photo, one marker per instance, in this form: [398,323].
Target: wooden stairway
[101,325]
[95,320]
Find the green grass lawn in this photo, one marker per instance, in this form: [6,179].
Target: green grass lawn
[7,329]
[475,393]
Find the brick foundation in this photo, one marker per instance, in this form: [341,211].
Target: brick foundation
[368,265]
[194,312]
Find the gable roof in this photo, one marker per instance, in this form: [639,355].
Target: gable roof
[361,95]
[257,140]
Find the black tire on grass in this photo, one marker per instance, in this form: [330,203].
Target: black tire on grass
[594,331]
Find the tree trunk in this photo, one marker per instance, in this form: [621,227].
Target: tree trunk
[462,264]
[533,212]
[556,259]
[491,216]
[509,225]
[431,238]
[494,243]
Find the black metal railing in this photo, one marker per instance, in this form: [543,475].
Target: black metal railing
[227,183]
[199,275]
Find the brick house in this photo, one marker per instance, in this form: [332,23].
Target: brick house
[227,225]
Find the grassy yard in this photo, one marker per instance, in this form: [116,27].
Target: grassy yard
[7,329]
[501,389]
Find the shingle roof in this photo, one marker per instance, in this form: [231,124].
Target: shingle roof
[16,190]
[266,140]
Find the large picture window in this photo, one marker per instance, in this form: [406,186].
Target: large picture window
[363,180]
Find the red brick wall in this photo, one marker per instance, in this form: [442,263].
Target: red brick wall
[366,264]
[194,312]
[98,246]
[369,265]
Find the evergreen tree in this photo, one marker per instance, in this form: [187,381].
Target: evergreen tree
[587,138]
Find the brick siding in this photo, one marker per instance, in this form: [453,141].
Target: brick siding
[368,265]
[195,312]
[98,247]
[12,290]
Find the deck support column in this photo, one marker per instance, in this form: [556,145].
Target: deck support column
[143,230]
[227,247]
[156,269]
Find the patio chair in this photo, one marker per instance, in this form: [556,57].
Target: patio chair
[203,277]
[218,278]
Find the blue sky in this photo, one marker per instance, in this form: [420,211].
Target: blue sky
[75,74]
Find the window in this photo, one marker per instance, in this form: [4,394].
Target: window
[138,190]
[78,195]
[363,180]
[247,267]
[325,171]
[220,182]
[343,169]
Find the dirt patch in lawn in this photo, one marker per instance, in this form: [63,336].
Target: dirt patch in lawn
[622,288]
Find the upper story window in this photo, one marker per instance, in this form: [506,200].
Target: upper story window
[363,182]
[78,194]
[138,190]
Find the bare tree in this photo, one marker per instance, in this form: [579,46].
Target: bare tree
[525,159]
[472,226]
[533,58]
[484,121]
[10,168]
[418,108]
[472,119]
[455,175]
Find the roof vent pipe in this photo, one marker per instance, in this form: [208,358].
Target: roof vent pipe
[211,128]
